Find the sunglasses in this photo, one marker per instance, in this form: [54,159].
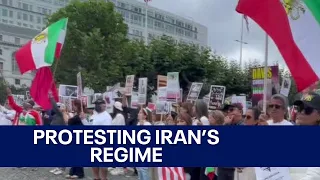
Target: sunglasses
[276,106]
[248,117]
[307,110]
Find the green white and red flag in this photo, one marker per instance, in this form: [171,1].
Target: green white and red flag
[294,26]
[42,49]
[210,172]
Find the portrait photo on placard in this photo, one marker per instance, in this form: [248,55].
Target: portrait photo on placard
[69,91]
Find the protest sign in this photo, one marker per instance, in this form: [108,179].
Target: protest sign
[129,85]
[216,97]
[272,173]
[173,86]
[194,91]
[142,90]
[285,87]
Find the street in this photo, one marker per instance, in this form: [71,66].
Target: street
[44,174]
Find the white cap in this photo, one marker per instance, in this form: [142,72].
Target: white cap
[118,105]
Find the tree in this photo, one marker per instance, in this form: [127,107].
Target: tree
[94,44]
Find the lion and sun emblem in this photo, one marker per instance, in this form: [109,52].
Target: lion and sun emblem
[294,8]
[40,38]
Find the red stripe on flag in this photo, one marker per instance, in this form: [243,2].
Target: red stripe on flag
[175,173]
[271,16]
[24,58]
[42,83]
[58,50]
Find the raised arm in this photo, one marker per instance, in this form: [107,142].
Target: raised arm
[11,102]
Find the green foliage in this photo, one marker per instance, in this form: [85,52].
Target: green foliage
[97,45]
[94,43]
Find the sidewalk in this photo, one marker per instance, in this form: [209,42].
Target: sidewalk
[44,174]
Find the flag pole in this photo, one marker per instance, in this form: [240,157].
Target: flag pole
[146,23]
[265,86]
[241,40]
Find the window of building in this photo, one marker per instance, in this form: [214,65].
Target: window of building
[30,8]
[1,66]
[180,23]
[1,37]
[25,25]
[19,15]
[19,4]
[15,67]
[5,2]
[17,40]
[159,16]
[4,12]
[25,6]
[10,2]
[10,13]
[38,20]
[25,17]
[0,51]
[31,18]
[17,81]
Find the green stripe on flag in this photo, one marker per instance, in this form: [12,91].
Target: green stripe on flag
[314,7]
[209,170]
[53,36]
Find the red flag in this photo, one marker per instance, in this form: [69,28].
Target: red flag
[41,85]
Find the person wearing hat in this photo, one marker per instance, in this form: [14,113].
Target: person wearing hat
[308,114]
[308,110]
[118,117]
[234,114]
[25,115]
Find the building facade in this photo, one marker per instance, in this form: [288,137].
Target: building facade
[21,20]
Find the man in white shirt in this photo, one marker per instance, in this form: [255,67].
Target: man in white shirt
[100,118]
[6,116]
[277,108]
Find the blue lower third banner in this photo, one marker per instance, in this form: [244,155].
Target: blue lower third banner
[159,146]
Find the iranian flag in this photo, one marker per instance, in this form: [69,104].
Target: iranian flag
[294,27]
[42,49]
[210,172]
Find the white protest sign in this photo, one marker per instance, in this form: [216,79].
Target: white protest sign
[272,173]
[241,100]
[142,90]
[285,87]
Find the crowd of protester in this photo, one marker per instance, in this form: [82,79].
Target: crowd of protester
[306,112]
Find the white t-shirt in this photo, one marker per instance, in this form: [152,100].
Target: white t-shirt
[204,120]
[4,121]
[101,119]
[146,123]
[281,123]
[118,120]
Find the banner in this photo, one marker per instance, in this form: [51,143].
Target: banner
[272,173]
[194,91]
[129,85]
[142,91]
[258,80]
[173,86]
[154,146]
[216,97]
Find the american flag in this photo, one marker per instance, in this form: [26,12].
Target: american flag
[171,173]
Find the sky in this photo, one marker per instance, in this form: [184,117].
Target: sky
[224,27]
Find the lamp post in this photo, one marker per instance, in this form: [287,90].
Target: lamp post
[241,41]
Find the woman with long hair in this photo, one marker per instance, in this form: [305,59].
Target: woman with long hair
[201,113]
[76,120]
